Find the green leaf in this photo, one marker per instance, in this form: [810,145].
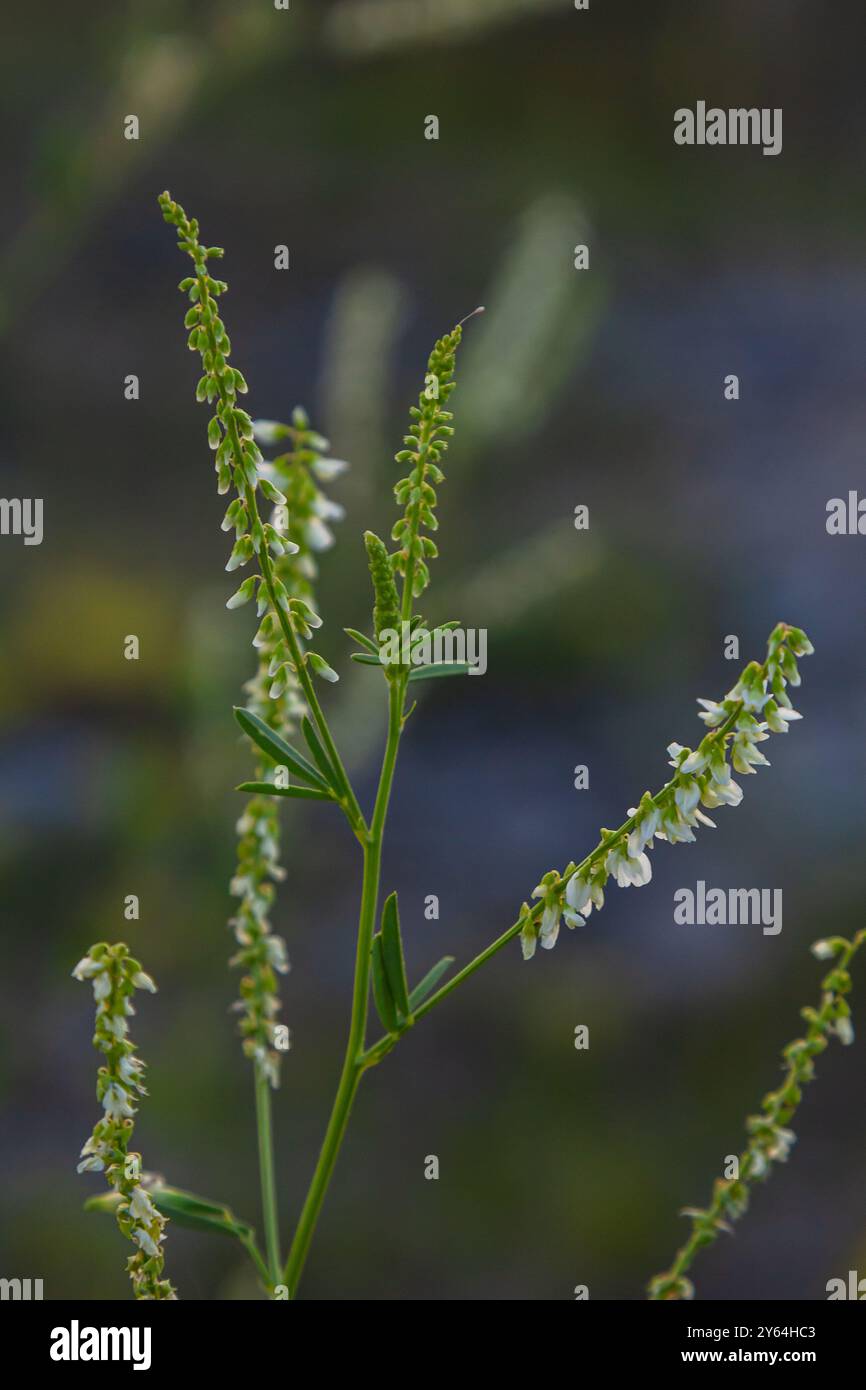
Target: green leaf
[104,1201]
[183,1207]
[392,956]
[198,1213]
[365,659]
[277,749]
[299,793]
[326,767]
[362,641]
[430,980]
[441,668]
[385,1005]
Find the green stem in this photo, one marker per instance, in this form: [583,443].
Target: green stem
[353,1063]
[266,1171]
[262,1269]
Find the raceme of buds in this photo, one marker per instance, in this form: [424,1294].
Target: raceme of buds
[386,605]
[757,706]
[239,461]
[770,1139]
[425,445]
[285,546]
[115,977]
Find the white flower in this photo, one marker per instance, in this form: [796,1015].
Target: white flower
[102,986]
[87,967]
[712,713]
[745,756]
[92,1157]
[778,718]
[90,1165]
[844,1031]
[673,828]
[573,919]
[822,950]
[628,871]
[317,535]
[687,796]
[578,892]
[145,1241]
[141,1208]
[131,1069]
[784,1141]
[275,950]
[695,762]
[549,929]
[328,469]
[116,1103]
[713,794]
[719,770]
[328,510]
[644,830]
[269,431]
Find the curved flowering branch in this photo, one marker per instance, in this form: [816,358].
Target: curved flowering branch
[116,976]
[757,705]
[770,1140]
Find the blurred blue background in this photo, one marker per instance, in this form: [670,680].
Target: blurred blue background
[602,387]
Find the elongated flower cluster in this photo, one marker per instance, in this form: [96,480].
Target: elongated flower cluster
[284,546]
[116,976]
[239,463]
[427,442]
[770,1139]
[275,695]
[755,707]
[386,606]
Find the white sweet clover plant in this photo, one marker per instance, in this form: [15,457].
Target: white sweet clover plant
[281,520]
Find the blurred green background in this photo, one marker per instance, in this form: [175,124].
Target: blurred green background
[601,387]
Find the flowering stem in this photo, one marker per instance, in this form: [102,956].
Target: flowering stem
[354,1064]
[770,1140]
[608,842]
[350,805]
[266,1172]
